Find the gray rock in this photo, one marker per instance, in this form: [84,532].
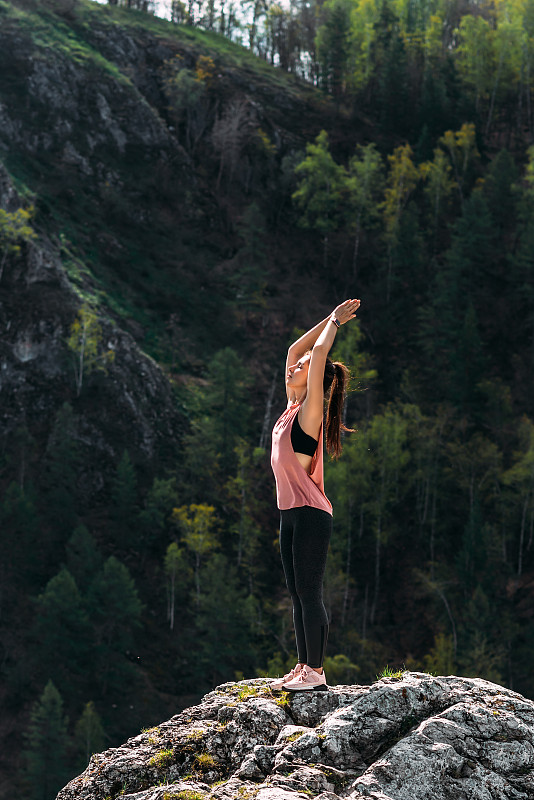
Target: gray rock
[412,738]
[130,406]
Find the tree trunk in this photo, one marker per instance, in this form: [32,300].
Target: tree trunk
[522,538]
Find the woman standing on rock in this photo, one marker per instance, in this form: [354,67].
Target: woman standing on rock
[305,511]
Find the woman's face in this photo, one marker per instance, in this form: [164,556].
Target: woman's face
[297,374]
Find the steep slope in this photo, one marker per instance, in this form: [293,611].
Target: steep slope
[91,119]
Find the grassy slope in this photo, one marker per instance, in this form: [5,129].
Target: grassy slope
[145,272]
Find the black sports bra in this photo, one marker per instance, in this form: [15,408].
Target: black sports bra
[302,442]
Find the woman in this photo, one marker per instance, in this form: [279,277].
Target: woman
[305,511]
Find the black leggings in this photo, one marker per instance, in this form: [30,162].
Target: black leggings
[304,537]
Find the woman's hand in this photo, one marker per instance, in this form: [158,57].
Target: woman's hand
[346,311]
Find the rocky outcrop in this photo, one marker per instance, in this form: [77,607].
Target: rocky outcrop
[417,737]
[130,406]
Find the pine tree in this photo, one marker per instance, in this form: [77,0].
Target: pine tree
[224,622]
[124,509]
[46,770]
[155,517]
[61,639]
[333,45]
[83,557]
[60,468]
[115,610]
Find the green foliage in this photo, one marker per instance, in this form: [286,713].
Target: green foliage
[14,230]
[46,770]
[390,672]
[89,734]
[61,462]
[20,537]
[417,204]
[124,505]
[333,45]
[162,759]
[196,523]
[321,187]
[83,558]
[85,343]
[221,419]
[61,633]
[115,610]
[204,761]
[224,621]
[177,572]
[440,659]
[340,669]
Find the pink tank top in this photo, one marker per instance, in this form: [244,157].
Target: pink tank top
[294,487]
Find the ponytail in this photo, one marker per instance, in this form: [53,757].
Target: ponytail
[336,378]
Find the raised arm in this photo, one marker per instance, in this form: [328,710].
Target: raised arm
[311,414]
[302,345]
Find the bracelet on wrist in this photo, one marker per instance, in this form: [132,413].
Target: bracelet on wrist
[336,322]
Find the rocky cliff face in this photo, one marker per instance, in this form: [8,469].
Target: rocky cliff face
[414,738]
[129,407]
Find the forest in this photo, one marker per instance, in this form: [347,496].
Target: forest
[407,181]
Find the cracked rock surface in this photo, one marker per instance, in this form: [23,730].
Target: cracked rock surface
[417,737]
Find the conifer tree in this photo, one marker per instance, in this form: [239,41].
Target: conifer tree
[115,611]
[61,637]
[83,558]
[333,45]
[20,541]
[60,468]
[160,500]
[124,508]
[365,185]
[224,621]
[46,770]
[402,180]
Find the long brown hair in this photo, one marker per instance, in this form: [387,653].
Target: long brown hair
[336,379]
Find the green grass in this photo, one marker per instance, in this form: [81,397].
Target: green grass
[390,672]
[283,700]
[205,42]
[249,691]
[48,31]
[205,761]
[162,759]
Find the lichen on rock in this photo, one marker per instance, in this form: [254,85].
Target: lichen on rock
[417,737]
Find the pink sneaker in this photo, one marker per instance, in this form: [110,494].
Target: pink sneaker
[279,682]
[307,678]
